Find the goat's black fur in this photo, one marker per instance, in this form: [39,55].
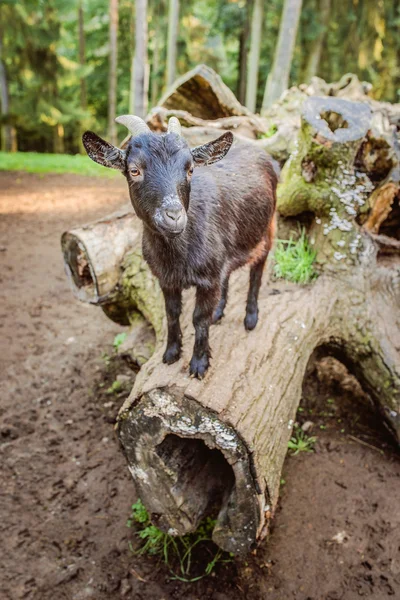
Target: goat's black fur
[223,218]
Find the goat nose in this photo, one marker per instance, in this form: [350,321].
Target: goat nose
[174,213]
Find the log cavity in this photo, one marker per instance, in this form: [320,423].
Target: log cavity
[332,372]
[334,120]
[391,225]
[203,475]
[78,267]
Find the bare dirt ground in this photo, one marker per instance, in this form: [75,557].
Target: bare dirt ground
[65,492]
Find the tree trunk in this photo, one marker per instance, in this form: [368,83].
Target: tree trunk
[112,77]
[155,80]
[82,53]
[216,446]
[243,54]
[278,78]
[8,137]
[314,57]
[140,75]
[254,55]
[173,25]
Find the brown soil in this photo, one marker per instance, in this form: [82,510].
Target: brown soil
[65,489]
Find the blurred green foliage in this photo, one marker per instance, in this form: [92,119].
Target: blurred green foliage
[40,53]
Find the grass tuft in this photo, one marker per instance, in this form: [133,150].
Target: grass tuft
[176,552]
[300,442]
[294,260]
[35,162]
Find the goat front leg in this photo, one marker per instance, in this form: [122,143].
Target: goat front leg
[206,302]
[173,308]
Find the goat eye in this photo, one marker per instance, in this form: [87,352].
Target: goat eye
[134,172]
[190,171]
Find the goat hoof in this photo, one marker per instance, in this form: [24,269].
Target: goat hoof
[172,354]
[250,320]
[199,366]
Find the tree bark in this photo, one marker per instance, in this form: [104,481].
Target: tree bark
[216,446]
[173,25]
[278,78]
[316,49]
[112,76]
[254,55]
[140,79]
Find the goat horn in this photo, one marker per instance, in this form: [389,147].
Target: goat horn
[135,125]
[174,126]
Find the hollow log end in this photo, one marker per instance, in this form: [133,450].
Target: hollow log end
[188,465]
[80,272]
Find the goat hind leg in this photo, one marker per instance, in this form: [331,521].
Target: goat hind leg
[219,311]
[256,271]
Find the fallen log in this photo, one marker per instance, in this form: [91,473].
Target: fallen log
[248,130]
[247,125]
[216,447]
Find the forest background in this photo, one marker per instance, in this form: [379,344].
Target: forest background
[68,66]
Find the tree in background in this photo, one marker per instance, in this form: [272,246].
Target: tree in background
[8,137]
[112,75]
[243,52]
[278,78]
[173,25]
[82,53]
[141,66]
[314,57]
[254,54]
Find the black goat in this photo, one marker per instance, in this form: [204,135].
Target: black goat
[199,225]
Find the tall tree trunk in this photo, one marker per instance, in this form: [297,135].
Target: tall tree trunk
[112,78]
[278,78]
[8,137]
[254,55]
[82,53]
[140,73]
[155,87]
[243,53]
[173,24]
[316,50]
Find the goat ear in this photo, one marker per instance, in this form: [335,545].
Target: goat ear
[213,151]
[102,152]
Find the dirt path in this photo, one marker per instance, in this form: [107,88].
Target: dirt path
[65,492]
